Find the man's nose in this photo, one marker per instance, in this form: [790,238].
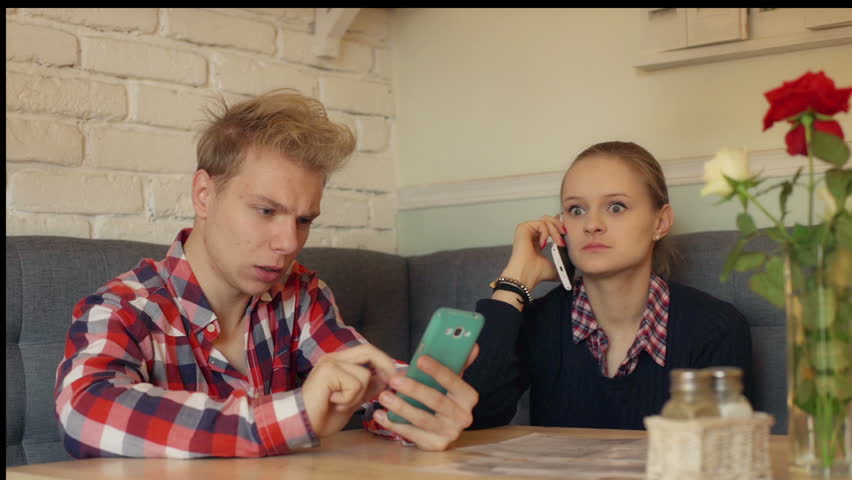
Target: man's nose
[285,238]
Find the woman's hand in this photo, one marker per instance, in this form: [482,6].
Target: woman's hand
[527,264]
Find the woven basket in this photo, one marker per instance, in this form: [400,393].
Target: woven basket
[709,448]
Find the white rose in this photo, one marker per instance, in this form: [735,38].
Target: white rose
[732,162]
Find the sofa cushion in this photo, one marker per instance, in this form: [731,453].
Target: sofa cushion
[47,276]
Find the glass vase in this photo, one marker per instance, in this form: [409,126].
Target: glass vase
[819,363]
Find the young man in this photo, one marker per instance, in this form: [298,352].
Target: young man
[228,346]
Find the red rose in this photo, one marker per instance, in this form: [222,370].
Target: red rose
[810,91]
[796,137]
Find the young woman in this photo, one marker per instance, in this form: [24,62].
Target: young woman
[599,355]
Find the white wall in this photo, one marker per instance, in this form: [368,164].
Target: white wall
[503,93]
[102,107]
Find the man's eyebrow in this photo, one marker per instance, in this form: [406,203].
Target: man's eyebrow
[277,206]
[609,195]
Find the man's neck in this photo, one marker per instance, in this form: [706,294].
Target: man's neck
[618,301]
[227,303]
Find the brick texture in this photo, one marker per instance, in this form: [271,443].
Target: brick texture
[33,43]
[103,108]
[36,191]
[213,28]
[43,140]
[141,60]
[75,97]
[126,19]
[142,149]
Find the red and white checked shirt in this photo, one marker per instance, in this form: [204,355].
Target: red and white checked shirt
[650,338]
[141,378]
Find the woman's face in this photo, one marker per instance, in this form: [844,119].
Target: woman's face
[610,217]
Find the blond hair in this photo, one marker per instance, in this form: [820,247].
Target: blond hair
[284,120]
[664,255]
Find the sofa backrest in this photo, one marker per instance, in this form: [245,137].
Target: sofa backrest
[458,278]
[47,276]
[388,298]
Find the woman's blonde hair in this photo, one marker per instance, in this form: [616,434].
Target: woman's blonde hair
[664,255]
[284,120]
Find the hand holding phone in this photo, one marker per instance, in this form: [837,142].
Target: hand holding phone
[449,339]
[564,267]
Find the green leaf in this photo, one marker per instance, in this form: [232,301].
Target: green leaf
[838,182]
[786,190]
[844,230]
[749,261]
[746,224]
[769,284]
[828,147]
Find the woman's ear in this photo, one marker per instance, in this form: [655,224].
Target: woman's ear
[665,221]
[203,192]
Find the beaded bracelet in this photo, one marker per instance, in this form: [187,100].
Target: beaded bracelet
[512,285]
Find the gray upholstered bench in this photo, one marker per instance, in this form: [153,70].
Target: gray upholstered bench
[388,298]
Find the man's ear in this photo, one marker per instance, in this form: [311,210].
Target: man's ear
[665,220]
[203,192]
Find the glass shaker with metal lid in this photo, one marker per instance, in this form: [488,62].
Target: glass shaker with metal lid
[728,388]
[691,395]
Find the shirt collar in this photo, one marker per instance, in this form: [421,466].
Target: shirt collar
[652,328]
[184,286]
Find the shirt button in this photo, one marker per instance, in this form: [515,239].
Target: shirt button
[211,328]
[266,297]
[257,394]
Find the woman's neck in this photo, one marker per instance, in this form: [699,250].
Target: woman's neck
[618,301]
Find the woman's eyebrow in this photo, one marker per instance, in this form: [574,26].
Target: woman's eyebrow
[608,195]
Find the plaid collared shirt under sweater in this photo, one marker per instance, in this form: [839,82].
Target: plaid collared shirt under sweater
[650,338]
[141,378]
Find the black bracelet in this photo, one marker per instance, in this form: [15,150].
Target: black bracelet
[512,285]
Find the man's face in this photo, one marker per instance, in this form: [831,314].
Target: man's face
[258,222]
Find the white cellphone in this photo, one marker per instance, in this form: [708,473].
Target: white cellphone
[564,267]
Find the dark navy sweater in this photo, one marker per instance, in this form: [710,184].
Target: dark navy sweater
[534,349]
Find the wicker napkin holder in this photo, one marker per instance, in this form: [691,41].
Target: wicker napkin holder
[709,448]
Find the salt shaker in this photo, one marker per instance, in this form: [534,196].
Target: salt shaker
[691,395]
[728,388]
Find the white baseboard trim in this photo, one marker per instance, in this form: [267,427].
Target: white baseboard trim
[685,171]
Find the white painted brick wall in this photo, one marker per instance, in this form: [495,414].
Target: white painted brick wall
[170,196]
[354,56]
[141,149]
[251,76]
[73,192]
[179,108]
[47,140]
[366,172]
[126,19]
[33,43]
[48,224]
[71,96]
[383,210]
[214,28]
[344,209]
[102,108]
[141,60]
[136,228]
[355,95]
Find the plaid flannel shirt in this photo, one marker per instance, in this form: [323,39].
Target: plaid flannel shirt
[650,338]
[141,378]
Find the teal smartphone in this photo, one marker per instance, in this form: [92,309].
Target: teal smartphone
[448,338]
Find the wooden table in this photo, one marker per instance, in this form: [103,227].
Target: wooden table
[351,455]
